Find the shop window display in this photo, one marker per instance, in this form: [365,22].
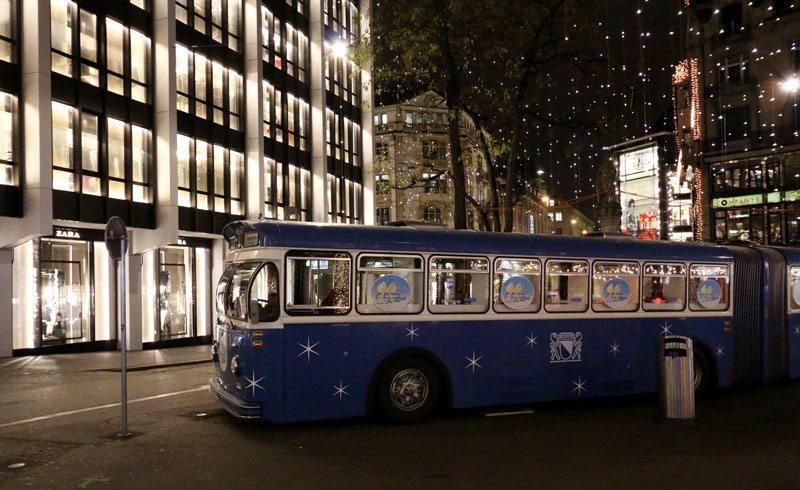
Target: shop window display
[174,292]
[65,292]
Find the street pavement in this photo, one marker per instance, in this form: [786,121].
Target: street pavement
[49,420]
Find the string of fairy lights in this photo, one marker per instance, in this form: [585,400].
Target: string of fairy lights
[643,45]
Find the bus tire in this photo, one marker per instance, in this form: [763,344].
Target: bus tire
[409,390]
[704,376]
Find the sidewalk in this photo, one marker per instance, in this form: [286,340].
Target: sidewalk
[108,360]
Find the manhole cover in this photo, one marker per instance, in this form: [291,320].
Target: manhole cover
[16,466]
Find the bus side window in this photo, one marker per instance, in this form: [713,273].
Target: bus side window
[389,284]
[567,286]
[664,287]
[318,284]
[459,285]
[708,287]
[615,286]
[264,300]
[517,285]
[794,289]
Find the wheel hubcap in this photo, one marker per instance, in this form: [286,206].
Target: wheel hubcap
[409,389]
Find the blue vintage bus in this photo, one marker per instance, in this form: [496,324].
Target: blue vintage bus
[322,321]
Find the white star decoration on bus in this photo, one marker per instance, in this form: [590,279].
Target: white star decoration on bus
[412,332]
[472,362]
[665,328]
[308,349]
[252,383]
[720,352]
[531,341]
[341,390]
[579,385]
[615,348]
[797,330]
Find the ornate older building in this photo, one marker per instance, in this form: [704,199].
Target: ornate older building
[412,168]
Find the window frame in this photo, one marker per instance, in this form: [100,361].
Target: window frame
[421,270]
[264,264]
[430,271]
[685,286]
[727,291]
[638,275]
[306,311]
[539,285]
[790,270]
[588,275]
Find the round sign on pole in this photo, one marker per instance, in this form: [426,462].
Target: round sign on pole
[116,238]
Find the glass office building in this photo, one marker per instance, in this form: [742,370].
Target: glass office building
[178,116]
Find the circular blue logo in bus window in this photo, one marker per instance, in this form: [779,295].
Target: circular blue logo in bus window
[391,293]
[517,293]
[709,293]
[616,293]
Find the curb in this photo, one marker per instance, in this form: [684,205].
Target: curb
[153,366]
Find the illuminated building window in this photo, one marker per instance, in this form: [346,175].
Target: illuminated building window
[76,35]
[285,48]
[434,183]
[219,19]
[432,214]
[200,81]
[8,165]
[286,191]
[382,184]
[7,30]
[78,163]
[210,177]
[344,200]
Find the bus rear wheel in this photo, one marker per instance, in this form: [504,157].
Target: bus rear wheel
[703,374]
[409,390]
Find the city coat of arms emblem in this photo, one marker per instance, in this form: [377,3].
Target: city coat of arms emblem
[566,346]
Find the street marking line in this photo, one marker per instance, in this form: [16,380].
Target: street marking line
[100,407]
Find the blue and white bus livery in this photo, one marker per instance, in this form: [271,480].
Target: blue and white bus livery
[332,321]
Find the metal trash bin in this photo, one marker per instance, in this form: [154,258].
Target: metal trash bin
[676,378]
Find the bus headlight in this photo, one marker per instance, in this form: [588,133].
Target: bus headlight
[236,365]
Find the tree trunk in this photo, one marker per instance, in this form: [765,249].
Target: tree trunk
[453,99]
[509,199]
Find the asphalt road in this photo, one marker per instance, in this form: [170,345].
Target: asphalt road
[741,439]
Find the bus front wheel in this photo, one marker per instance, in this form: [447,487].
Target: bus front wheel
[409,390]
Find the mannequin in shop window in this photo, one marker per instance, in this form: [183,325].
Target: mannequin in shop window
[59,330]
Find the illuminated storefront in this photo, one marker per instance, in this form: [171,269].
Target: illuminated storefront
[176,300]
[757,199]
[62,293]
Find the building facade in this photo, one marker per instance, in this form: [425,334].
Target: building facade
[737,119]
[567,220]
[178,116]
[412,163]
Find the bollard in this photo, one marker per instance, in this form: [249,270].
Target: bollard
[676,378]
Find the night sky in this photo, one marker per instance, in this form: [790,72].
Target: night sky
[641,39]
[642,46]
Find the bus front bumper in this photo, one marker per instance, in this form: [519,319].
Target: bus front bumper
[233,404]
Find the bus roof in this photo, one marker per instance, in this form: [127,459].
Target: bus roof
[282,234]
